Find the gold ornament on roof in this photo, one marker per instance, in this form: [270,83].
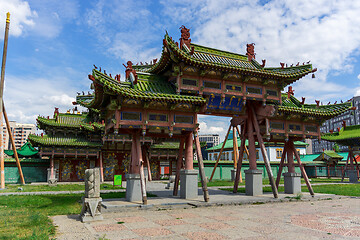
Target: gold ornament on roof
[7,17]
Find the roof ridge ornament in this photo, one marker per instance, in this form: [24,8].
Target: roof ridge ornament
[290,92]
[185,37]
[250,52]
[130,73]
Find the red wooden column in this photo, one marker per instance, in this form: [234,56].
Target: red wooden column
[290,160]
[252,150]
[134,165]
[189,155]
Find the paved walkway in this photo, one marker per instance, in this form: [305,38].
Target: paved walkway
[225,216]
[327,219]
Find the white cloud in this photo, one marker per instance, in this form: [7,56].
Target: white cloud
[26,98]
[325,32]
[21,16]
[126,29]
[47,21]
[213,125]
[358,76]
[204,129]
[52,15]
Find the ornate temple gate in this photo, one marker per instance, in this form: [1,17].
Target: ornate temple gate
[347,136]
[161,99]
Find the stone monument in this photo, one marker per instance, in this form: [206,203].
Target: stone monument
[91,207]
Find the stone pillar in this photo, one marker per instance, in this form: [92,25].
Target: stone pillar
[133,187]
[292,182]
[353,178]
[189,183]
[133,184]
[253,176]
[253,182]
[91,206]
[52,180]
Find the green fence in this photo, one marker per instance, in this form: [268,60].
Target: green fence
[32,172]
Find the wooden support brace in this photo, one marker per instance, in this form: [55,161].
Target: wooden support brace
[281,165]
[235,147]
[238,153]
[292,147]
[239,164]
[201,167]
[178,166]
[146,156]
[263,151]
[221,150]
[13,145]
[357,166]
[141,168]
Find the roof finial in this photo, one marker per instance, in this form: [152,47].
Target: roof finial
[290,92]
[185,37]
[8,17]
[250,52]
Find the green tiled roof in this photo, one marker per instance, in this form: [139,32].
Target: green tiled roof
[151,88]
[308,157]
[27,160]
[350,136]
[62,141]
[217,59]
[64,120]
[68,120]
[328,154]
[293,105]
[26,150]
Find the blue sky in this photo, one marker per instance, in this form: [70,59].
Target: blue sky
[54,44]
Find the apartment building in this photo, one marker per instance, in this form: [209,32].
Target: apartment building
[20,132]
[351,117]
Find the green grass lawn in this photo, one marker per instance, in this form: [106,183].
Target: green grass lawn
[58,187]
[26,217]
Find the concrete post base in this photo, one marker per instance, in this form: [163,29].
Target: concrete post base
[188,184]
[253,182]
[91,209]
[292,183]
[353,178]
[133,188]
[233,174]
[52,181]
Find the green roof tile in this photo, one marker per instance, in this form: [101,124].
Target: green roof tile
[62,141]
[26,150]
[293,105]
[348,136]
